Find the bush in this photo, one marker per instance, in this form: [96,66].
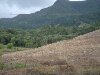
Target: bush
[19,65]
[1,66]
[11,66]
[10,46]
[1,46]
[1,51]
[29,45]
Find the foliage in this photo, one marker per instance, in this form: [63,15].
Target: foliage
[1,52]
[1,66]
[43,35]
[9,45]
[19,65]
[1,46]
[12,66]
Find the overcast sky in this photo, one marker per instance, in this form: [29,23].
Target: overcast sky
[10,8]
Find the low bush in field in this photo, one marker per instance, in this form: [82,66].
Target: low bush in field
[1,46]
[1,66]
[14,66]
[10,46]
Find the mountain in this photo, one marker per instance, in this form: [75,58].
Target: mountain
[62,12]
[82,52]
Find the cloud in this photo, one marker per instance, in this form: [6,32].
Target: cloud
[10,8]
[30,3]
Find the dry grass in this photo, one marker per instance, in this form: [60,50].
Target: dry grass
[81,52]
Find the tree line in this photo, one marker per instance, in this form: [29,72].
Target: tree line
[43,35]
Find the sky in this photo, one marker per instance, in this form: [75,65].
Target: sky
[11,8]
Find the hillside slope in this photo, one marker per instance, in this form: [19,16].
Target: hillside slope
[80,56]
[82,50]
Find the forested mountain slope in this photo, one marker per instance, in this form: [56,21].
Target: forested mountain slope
[62,12]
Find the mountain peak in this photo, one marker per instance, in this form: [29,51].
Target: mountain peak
[60,1]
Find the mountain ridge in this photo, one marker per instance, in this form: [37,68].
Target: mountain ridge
[62,12]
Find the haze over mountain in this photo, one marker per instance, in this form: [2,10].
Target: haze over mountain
[62,12]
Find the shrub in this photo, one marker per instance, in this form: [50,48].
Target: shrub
[1,66]
[19,65]
[11,66]
[1,46]
[29,45]
[10,46]
[1,51]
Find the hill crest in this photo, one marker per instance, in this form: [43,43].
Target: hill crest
[62,12]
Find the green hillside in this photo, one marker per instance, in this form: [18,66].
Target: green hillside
[62,12]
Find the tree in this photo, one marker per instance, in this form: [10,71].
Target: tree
[5,38]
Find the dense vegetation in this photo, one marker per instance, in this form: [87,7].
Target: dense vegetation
[41,36]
